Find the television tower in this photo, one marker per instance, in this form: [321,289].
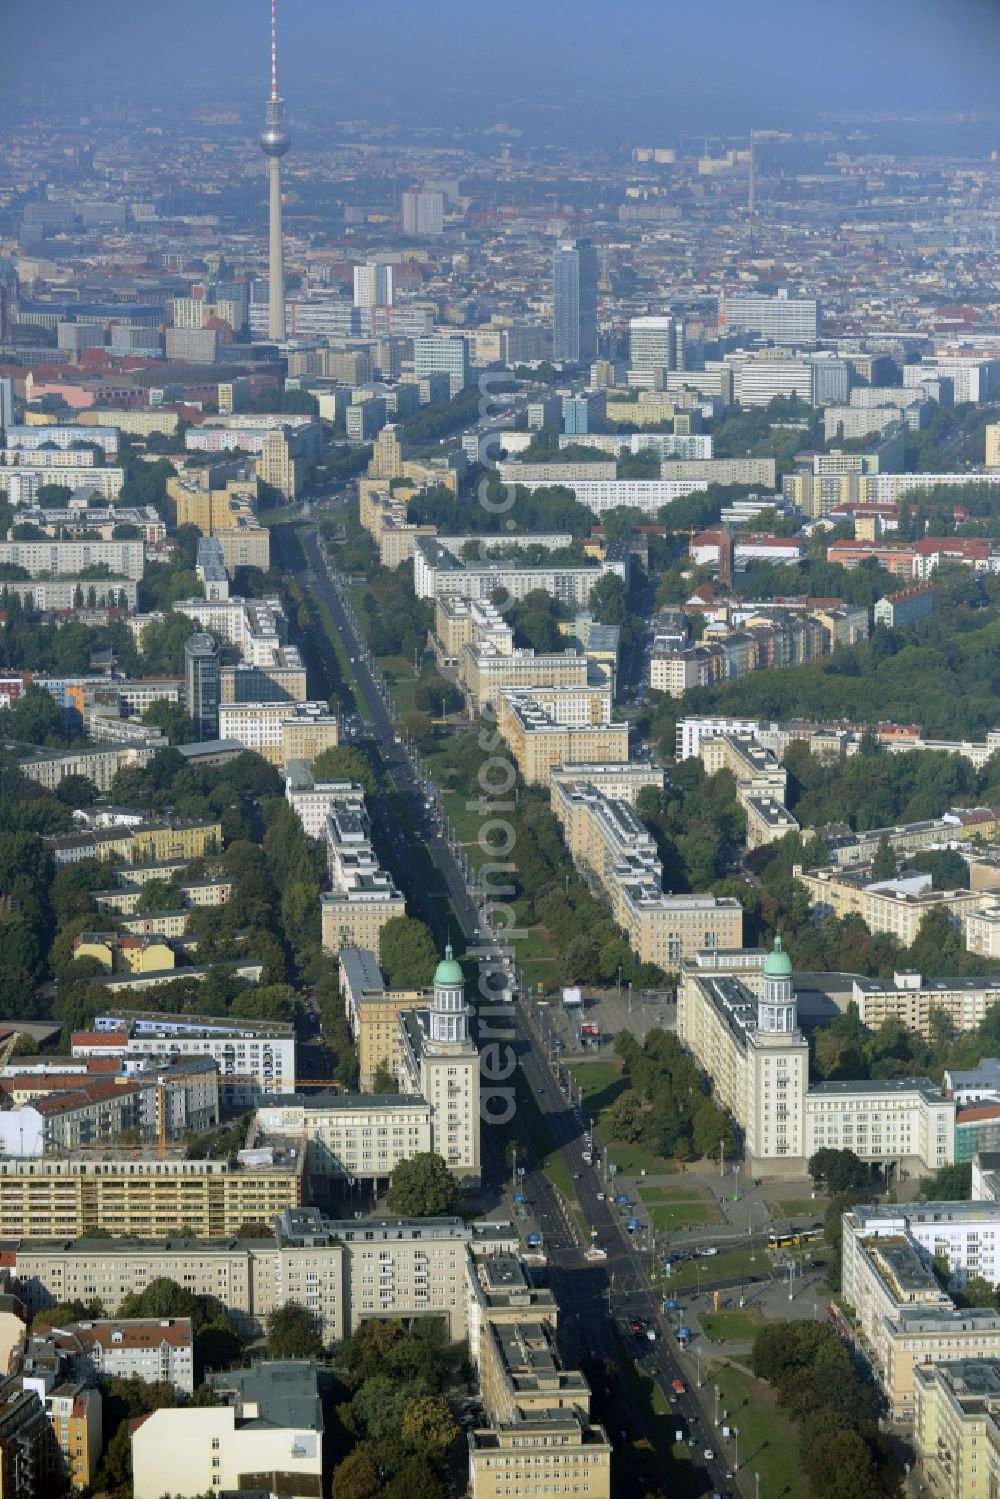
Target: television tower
[274,142]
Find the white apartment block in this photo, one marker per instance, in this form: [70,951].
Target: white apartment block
[312,801]
[256,627]
[63,437]
[609,494]
[153,1349]
[350,1135]
[892,1119]
[782,319]
[124,559]
[437,571]
[61,593]
[23,482]
[663,444]
[254,1057]
[966,1234]
[45,458]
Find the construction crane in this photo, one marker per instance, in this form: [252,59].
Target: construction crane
[161,1117]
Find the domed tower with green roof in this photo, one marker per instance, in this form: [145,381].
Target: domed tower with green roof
[449,1012]
[777,1012]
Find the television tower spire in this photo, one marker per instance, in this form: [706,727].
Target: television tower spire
[274,142]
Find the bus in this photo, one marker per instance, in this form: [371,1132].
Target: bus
[793,1241]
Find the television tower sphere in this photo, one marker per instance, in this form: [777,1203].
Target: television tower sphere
[274,138]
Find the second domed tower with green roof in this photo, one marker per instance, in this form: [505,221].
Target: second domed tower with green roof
[777,1011]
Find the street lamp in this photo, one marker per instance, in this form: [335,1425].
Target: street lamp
[717,1393]
[736,1438]
[756,1486]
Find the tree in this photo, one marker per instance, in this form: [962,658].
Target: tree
[416,726]
[839,1170]
[356,1478]
[423,1187]
[407,952]
[884,862]
[949,1184]
[35,718]
[345,763]
[172,719]
[291,1334]
[76,791]
[428,1427]
[413,1479]
[164,1298]
[622,1120]
[384,1079]
[710,1129]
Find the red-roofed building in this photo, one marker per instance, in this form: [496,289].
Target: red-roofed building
[152,1349]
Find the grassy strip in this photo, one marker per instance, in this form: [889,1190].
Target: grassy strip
[769,1440]
[716,1267]
[347,673]
[731,1327]
[549,1157]
[669,1216]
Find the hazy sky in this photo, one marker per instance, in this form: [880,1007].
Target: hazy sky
[632,66]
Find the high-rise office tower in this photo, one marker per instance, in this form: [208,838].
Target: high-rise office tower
[652,348]
[373,293]
[423,213]
[8,296]
[6,402]
[574,302]
[274,142]
[202,655]
[373,285]
[782,319]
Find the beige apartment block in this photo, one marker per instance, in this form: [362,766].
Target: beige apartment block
[377,1033]
[253,684]
[280,731]
[245,543]
[355,917]
[767,820]
[485,670]
[892,907]
[621,781]
[913,1001]
[138,1196]
[279,465]
[721,470]
[956,1426]
[982,931]
[557,1451]
[993,445]
[539,742]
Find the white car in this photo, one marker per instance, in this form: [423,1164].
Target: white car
[708,1251]
[708,1455]
[600,1196]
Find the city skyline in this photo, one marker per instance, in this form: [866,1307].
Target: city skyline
[661,69]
